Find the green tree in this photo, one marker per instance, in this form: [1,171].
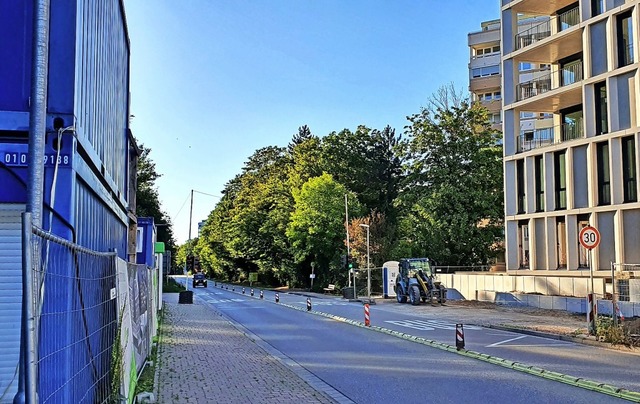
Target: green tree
[148,201]
[317,227]
[453,203]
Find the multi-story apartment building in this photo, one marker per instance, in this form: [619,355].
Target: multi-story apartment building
[485,80]
[582,170]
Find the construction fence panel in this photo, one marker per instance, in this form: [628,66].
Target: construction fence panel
[76,320]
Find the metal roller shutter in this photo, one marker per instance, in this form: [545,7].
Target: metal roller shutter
[10,298]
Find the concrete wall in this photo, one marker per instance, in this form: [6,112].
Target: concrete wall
[546,292]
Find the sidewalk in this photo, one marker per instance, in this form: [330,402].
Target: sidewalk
[203,358]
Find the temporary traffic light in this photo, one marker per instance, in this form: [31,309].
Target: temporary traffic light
[190,262]
[196,263]
[350,261]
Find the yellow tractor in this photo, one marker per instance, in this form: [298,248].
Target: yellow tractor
[417,282]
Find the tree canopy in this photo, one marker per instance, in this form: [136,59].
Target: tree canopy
[435,191]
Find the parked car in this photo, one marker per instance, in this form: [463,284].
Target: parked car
[199,279]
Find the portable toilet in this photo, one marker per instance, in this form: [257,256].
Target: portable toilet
[389,275]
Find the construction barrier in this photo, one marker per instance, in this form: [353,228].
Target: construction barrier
[367,321]
[308,304]
[459,337]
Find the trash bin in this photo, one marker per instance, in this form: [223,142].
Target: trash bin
[347,293]
[186,297]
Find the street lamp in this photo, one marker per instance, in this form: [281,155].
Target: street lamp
[366,226]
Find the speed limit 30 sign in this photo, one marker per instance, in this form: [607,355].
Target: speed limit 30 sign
[589,237]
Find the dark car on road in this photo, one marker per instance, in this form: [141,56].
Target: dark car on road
[199,279]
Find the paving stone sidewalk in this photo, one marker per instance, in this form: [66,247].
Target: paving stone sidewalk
[204,359]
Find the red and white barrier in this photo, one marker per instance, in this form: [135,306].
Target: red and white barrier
[459,337]
[367,321]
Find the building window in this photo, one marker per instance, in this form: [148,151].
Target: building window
[485,71]
[497,95]
[496,49]
[520,186]
[597,7]
[624,26]
[560,177]
[568,17]
[561,237]
[571,70]
[572,123]
[602,118]
[523,243]
[583,221]
[524,66]
[629,171]
[604,174]
[496,117]
[539,174]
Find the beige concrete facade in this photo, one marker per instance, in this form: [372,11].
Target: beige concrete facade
[582,169]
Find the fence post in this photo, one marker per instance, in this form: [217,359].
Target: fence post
[27,389]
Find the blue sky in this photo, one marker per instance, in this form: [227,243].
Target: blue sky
[214,80]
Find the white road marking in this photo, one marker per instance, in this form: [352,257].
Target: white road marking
[214,301]
[430,325]
[506,340]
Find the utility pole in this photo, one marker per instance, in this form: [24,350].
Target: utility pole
[346,226]
[186,282]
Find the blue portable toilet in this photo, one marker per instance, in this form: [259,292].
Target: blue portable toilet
[145,241]
[389,275]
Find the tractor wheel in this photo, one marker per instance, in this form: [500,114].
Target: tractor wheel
[442,296]
[399,296]
[414,295]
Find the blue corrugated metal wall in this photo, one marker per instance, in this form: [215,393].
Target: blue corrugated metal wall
[102,85]
[88,89]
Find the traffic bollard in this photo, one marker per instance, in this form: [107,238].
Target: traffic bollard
[251,291]
[261,295]
[243,291]
[233,288]
[591,314]
[367,320]
[459,337]
[277,298]
[308,304]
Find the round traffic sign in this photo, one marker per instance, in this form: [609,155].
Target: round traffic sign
[589,237]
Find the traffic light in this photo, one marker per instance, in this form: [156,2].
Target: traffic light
[350,261]
[343,261]
[190,262]
[196,264]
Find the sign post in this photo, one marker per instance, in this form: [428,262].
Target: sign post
[590,239]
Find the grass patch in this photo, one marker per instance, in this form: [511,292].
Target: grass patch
[171,286]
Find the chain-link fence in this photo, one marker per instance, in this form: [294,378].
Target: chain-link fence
[74,321]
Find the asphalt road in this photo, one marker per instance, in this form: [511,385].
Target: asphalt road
[371,367]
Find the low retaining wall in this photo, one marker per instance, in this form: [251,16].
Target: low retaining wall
[545,292]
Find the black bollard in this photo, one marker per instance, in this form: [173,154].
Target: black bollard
[308,304]
[459,337]
[277,298]
[251,291]
[261,295]
[243,291]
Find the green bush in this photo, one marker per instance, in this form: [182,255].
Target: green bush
[609,332]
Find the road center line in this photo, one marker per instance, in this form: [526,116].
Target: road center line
[505,341]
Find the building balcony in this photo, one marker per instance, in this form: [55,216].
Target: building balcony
[551,40]
[567,75]
[543,137]
[480,84]
[537,7]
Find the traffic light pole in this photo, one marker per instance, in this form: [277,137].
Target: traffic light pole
[346,226]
